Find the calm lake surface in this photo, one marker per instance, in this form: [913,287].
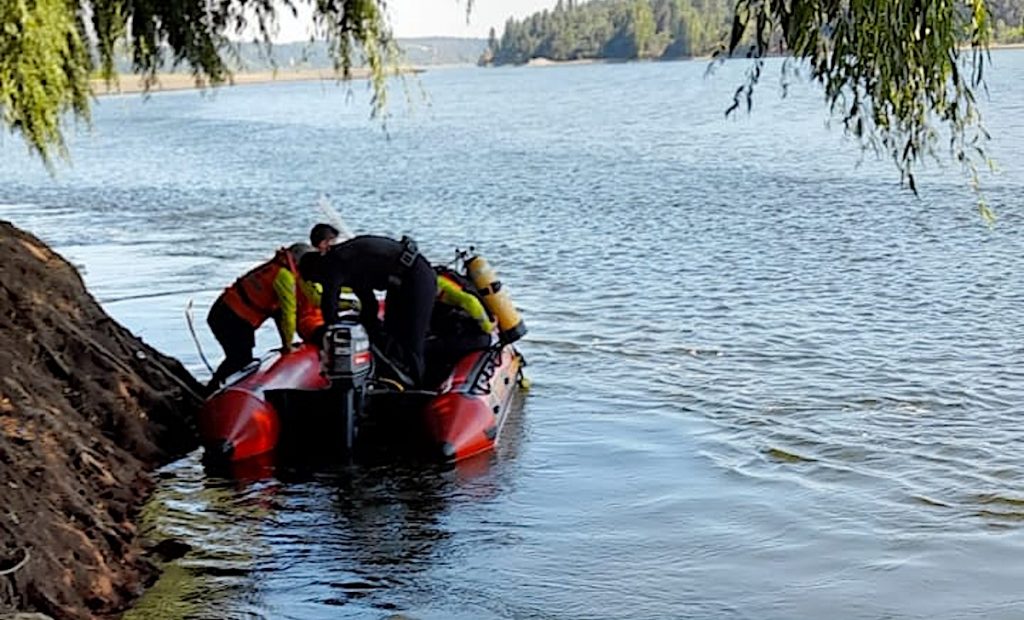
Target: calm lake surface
[768,383]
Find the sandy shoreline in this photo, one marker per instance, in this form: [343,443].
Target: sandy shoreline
[131,83]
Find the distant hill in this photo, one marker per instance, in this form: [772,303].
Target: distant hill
[425,51]
[442,50]
[661,29]
[418,52]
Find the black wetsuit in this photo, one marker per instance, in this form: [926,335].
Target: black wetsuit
[367,263]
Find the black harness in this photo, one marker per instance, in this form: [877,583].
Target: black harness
[406,259]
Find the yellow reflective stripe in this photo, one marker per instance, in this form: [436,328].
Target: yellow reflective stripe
[452,294]
[284,287]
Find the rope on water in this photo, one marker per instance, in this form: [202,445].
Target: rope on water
[136,297]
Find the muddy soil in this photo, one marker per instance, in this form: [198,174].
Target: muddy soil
[86,411]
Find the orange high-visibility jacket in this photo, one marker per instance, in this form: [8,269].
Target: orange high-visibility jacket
[264,292]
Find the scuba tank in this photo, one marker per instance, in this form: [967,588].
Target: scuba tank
[495,297]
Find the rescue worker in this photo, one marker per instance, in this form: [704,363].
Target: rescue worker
[367,263]
[311,320]
[455,291]
[459,324]
[322,236]
[266,291]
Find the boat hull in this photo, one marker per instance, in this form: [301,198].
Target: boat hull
[466,418]
[240,421]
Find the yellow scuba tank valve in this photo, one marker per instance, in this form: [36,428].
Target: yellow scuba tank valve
[495,297]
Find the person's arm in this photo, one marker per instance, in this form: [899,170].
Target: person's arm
[369,308]
[329,297]
[284,288]
[453,295]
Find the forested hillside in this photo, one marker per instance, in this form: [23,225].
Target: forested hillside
[662,29]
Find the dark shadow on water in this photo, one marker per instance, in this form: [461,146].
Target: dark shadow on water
[311,535]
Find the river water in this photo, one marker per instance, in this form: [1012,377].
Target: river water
[767,383]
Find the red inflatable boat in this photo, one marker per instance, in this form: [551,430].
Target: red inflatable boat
[462,418]
[285,404]
[466,416]
[238,422]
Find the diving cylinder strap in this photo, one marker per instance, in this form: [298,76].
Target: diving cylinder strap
[495,296]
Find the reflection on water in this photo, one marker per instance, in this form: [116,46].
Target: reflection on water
[288,542]
[766,383]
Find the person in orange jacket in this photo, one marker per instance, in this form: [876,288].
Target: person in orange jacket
[270,290]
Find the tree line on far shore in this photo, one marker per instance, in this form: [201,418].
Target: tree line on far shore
[652,29]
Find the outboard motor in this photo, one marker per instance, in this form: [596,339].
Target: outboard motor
[347,361]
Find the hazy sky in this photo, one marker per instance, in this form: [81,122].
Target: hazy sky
[421,18]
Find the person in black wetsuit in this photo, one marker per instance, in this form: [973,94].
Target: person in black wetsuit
[366,263]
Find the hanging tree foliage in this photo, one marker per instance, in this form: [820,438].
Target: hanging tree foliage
[895,71]
[899,73]
[49,49]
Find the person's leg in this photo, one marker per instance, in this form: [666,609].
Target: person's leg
[235,336]
[407,317]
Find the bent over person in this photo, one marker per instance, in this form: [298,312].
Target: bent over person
[267,291]
[459,324]
[366,263]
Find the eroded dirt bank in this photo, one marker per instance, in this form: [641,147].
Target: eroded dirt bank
[86,409]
